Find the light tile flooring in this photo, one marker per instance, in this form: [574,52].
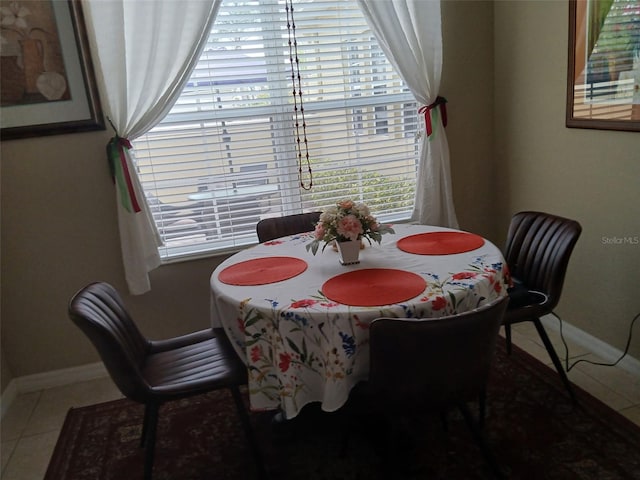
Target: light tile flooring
[31,426]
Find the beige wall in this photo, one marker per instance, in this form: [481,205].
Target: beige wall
[59,232]
[590,175]
[467,83]
[5,372]
[59,228]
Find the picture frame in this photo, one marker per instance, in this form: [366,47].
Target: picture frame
[47,78]
[603,77]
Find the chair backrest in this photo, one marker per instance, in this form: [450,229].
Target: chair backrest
[99,312]
[538,249]
[418,363]
[270,228]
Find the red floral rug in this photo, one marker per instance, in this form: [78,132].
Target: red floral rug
[532,427]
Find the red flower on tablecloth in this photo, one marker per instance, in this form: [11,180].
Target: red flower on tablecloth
[256,353]
[307,302]
[506,274]
[359,324]
[497,287]
[329,304]
[464,275]
[273,242]
[285,362]
[438,303]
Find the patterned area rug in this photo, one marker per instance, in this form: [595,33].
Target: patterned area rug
[532,427]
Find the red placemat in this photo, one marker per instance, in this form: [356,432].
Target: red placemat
[260,271]
[440,243]
[373,287]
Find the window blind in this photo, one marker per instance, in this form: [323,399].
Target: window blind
[614,59]
[226,155]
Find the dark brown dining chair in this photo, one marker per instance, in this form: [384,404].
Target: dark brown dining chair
[424,365]
[276,227]
[152,372]
[537,252]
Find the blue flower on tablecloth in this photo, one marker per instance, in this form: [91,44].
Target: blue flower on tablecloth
[408,312]
[294,317]
[274,303]
[348,344]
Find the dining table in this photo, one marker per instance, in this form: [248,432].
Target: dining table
[300,322]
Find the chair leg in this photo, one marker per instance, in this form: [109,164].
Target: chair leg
[248,430]
[507,336]
[145,426]
[554,358]
[444,421]
[482,409]
[479,438]
[148,439]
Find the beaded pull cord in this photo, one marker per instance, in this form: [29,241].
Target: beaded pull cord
[297,91]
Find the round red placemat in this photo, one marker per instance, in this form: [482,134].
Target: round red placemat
[373,287]
[440,243]
[260,271]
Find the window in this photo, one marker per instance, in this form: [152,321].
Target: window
[226,154]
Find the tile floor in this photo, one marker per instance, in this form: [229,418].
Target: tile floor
[31,426]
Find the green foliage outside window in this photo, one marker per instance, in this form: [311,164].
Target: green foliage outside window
[381,194]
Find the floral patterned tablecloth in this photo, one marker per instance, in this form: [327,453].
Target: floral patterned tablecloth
[301,347]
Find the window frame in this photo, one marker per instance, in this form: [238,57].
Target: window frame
[356,103]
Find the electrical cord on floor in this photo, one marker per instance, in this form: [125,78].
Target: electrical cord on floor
[566,348]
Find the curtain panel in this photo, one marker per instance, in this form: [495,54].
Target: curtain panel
[143,54]
[410,34]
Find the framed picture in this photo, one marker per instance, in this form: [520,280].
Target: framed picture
[47,82]
[603,79]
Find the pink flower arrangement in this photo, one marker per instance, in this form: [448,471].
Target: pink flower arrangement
[346,221]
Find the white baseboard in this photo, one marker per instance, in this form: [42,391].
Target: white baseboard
[596,346]
[54,378]
[8,396]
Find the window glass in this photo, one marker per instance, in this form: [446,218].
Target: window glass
[232,149]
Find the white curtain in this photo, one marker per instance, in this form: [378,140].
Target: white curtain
[143,53]
[410,34]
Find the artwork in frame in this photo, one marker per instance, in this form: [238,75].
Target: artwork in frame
[47,82]
[603,87]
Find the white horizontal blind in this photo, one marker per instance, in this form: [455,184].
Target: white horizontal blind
[225,156]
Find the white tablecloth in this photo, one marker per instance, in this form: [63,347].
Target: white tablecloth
[301,347]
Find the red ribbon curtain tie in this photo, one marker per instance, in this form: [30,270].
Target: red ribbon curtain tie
[120,172]
[427,109]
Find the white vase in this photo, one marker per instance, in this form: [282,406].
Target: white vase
[349,252]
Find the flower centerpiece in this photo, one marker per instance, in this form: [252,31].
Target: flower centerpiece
[347,221]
